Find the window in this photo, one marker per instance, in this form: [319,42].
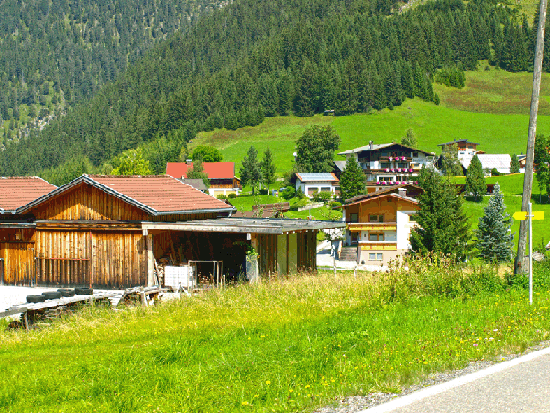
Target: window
[375,256]
[376,236]
[384,165]
[353,218]
[415,154]
[402,165]
[376,218]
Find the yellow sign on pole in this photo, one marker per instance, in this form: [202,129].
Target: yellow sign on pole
[522,216]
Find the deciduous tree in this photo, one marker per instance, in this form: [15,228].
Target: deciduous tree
[315,149]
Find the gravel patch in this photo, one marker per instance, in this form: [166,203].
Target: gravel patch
[356,404]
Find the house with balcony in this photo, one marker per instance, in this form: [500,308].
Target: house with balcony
[379,225]
[389,164]
[463,146]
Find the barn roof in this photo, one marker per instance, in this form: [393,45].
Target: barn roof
[156,195]
[214,170]
[20,190]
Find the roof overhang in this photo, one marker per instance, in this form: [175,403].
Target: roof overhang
[20,225]
[245,225]
[88,180]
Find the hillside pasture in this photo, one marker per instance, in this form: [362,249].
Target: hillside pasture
[492,109]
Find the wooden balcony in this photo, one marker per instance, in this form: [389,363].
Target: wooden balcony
[378,246]
[396,158]
[371,226]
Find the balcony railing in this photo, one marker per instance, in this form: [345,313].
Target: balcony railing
[378,246]
[372,226]
[396,158]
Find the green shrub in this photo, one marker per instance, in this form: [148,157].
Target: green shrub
[288,193]
[335,204]
[323,196]
[221,196]
[232,195]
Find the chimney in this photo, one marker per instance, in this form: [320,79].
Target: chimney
[371,145]
[402,192]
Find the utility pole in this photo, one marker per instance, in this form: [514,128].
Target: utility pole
[520,263]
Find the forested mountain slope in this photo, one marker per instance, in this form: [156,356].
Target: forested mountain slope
[255,58]
[54,53]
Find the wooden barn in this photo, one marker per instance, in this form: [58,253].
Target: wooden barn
[112,231]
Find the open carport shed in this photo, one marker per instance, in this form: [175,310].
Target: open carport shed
[283,245]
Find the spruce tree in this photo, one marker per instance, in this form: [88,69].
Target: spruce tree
[409,139]
[197,172]
[514,164]
[475,179]
[268,169]
[495,241]
[250,170]
[442,224]
[352,180]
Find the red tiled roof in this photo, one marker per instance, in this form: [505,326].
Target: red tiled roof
[214,170]
[155,194]
[20,190]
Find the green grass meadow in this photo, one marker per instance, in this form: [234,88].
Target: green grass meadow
[284,345]
[492,109]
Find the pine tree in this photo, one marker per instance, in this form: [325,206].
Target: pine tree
[197,172]
[495,241]
[542,160]
[450,163]
[442,224]
[409,139]
[250,170]
[268,169]
[475,179]
[352,180]
[514,164]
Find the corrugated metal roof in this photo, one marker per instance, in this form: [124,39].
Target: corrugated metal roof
[20,190]
[489,161]
[156,195]
[316,177]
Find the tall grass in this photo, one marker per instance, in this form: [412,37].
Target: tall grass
[288,344]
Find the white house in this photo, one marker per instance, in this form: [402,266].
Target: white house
[311,183]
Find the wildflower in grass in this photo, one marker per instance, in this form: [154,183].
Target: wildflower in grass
[267,382]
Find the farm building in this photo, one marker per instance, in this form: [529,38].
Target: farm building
[113,231]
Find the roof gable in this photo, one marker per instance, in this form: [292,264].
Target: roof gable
[18,191]
[156,195]
[409,200]
[214,170]
[375,148]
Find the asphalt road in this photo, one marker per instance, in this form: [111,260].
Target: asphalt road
[518,385]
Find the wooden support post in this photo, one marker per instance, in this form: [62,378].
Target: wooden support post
[143,299]
[150,259]
[90,265]
[25,321]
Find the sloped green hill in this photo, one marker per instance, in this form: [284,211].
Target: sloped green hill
[255,59]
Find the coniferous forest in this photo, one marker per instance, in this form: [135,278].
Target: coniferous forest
[252,59]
